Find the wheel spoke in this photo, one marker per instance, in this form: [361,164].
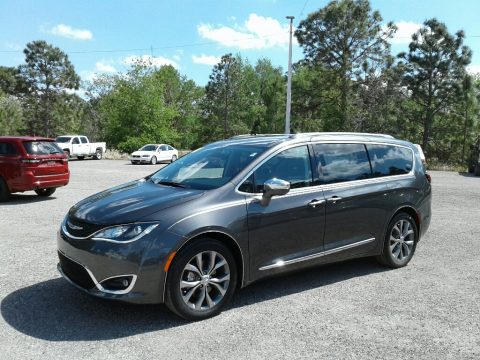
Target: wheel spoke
[211,264]
[226,277]
[188,284]
[396,252]
[199,262]
[405,250]
[201,298]
[193,268]
[218,265]
[210,302]
[188,295]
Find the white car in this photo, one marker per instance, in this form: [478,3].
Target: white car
[153,153]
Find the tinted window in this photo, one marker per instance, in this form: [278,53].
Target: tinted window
[163,147]
[209,167]
[41,147]
[390,160]
[292,165]
[84,140]
[75,141]
[342,162]
[7,149]
[63,139]
[149,148]
[169,147]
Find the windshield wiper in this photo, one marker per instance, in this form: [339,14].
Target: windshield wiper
[170,183]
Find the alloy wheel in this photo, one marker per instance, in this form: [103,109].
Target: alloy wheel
[205,280]
[402,239]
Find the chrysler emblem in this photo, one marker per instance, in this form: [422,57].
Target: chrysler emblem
[74,227]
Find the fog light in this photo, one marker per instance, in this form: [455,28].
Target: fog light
[117,283]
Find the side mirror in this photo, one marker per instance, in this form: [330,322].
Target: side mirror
[275,187]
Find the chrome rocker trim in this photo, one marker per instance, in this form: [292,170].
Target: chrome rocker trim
[281,263]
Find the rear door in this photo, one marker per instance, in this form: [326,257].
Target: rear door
[164,153]
[357,205]
[85,148]
[10,169]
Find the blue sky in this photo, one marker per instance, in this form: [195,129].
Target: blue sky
[105,36]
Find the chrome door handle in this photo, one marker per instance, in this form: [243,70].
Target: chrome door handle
[314,203]
[334,199]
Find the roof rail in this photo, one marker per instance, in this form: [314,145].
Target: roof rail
[346,133]
[246,136]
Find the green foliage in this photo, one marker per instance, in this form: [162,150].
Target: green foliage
[46,75]
[347,38]
[433,71]
[11,115]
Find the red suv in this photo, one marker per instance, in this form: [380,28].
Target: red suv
[31,163]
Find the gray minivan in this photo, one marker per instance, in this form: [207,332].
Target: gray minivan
[246,208]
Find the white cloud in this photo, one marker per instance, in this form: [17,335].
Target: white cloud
[12,46]
[152,61]
[404,32]
[473,69]
[258,32]
[67,31]
[104,67]
[206,59]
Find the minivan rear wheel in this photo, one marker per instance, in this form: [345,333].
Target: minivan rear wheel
[201,280]
[4,192]
[400,241]
[45,192]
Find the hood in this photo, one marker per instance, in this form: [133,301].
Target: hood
[143,153]
[130,202]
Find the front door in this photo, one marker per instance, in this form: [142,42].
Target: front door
[287,228]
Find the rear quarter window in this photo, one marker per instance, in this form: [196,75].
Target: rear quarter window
[7,149]
[342,162]
[388,160]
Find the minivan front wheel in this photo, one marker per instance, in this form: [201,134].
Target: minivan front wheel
[400,241]
[201,280]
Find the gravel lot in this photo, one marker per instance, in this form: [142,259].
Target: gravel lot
[353,310]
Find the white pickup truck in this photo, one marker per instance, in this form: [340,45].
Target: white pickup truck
[79,146]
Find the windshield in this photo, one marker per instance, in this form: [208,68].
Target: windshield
[209,167]
[41,147]
[148,148]
[63,139]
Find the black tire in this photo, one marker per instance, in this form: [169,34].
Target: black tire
[80,157]
[67,152]
[45,192]
[4,191]
[98,154]
[174,158]
[153,160]
[398,239]
[177,274]
[134,162]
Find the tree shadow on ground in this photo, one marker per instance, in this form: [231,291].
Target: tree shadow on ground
[55,311]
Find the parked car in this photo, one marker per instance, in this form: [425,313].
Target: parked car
[474,161]
[31,163]
[80,146]
[243,209]
[153,153]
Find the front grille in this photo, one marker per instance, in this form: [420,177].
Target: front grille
[85,229]
[75,272]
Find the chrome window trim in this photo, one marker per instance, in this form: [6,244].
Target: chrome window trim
[334,185]
[98,283]
[281,263]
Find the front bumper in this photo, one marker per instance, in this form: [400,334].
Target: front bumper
[95,266]
[141,159]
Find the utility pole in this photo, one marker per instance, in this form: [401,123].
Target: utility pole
[289,79]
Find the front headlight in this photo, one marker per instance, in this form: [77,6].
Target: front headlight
[124,233]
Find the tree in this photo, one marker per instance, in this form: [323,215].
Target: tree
[48,73]
[11,115]
[345,36]
[433,70]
